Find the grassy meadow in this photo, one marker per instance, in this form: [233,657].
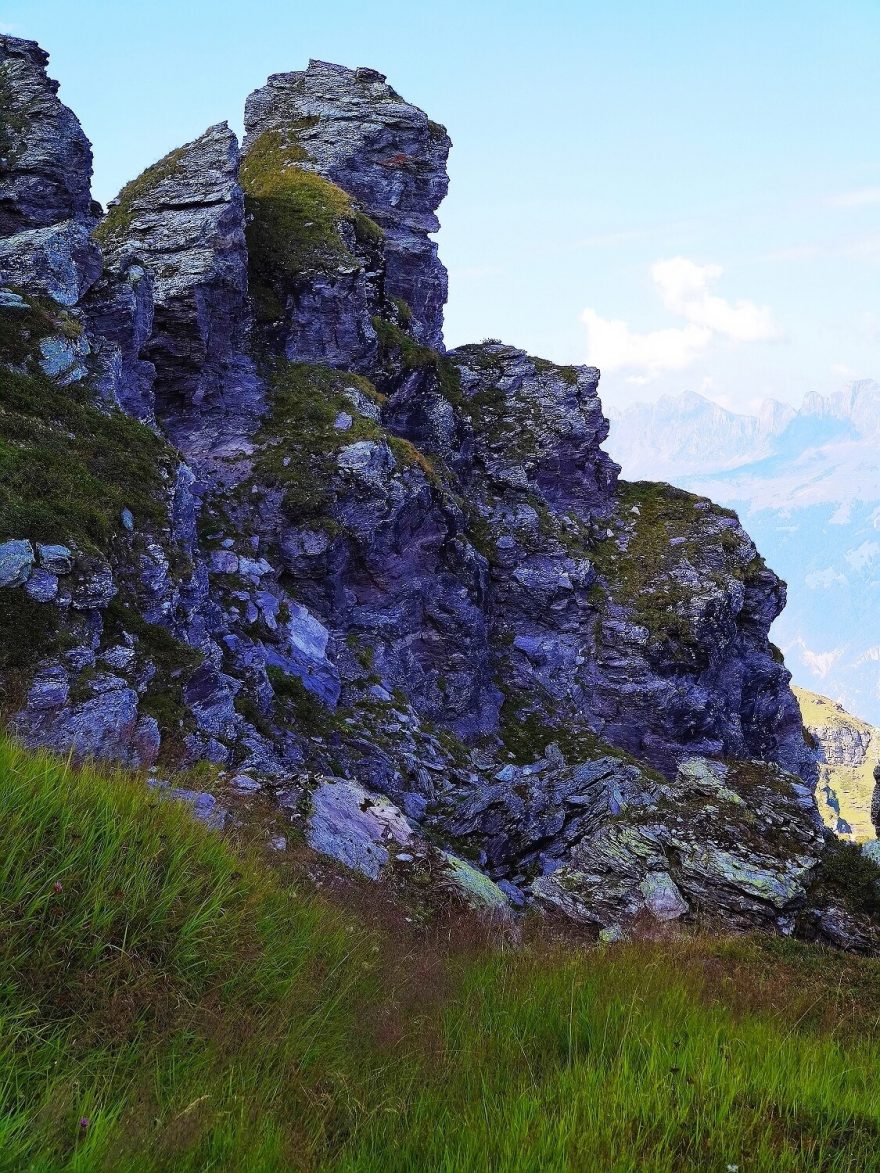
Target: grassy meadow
[171,1000]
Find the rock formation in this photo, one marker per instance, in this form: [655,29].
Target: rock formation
[351,127]
[847,751]
[46,159]
[256,516]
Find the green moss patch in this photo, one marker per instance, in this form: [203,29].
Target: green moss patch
[22,330]
[399,350]
[526,736]
[294,220]
[846,876]
[68,469]
[543,366]
[299,707]
[298,438]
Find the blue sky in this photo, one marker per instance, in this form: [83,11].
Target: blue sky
[686,193]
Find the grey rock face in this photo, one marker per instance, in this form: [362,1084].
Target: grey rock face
[536,427]
[119,311]
[45,159]
[57,559]
[638,611]
[355,827]
[61,262]
[358,132]
[16,560]
[107,725]
[182,222]
[527,818]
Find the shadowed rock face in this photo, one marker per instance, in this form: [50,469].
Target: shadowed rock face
[358,132]
[354,555]
[45,159]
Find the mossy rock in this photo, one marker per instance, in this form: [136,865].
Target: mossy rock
[298,438]
[399,351]
[299,707]
[526,735]
[662,527]
[68,469]
[296,220]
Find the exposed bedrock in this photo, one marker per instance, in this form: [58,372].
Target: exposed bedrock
[256,516]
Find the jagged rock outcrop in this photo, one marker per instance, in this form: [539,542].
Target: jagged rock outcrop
[316,261]
[691,853]
[355,130]
[61,261]
[45,158]
[276,528]
[182,220]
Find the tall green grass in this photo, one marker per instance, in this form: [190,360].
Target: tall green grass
[167,1003]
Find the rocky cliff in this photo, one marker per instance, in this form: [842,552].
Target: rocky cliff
[254,515]
[848,754]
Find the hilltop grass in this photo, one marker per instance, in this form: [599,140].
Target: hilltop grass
[170,1002]
[844,792]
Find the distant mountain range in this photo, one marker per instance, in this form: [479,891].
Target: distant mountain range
[806,483]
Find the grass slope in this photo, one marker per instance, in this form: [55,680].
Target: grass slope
[170,1002]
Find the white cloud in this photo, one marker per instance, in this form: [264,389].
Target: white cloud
[819,580]
[819,663]
[612,345]
[683,287]
[862,555]
[859,198]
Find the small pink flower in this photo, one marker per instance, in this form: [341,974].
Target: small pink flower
[58,886]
